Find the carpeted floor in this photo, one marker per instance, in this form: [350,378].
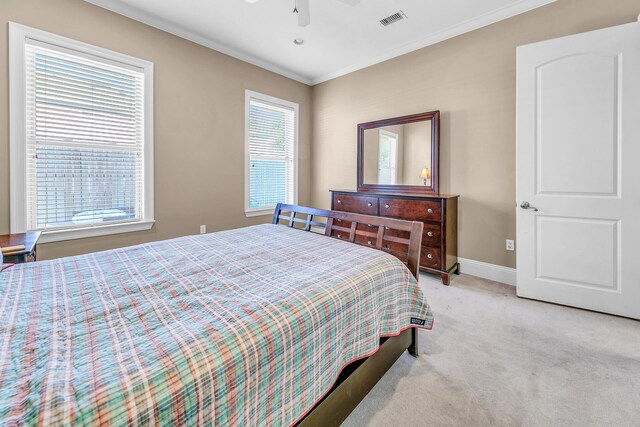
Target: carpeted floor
[493,359]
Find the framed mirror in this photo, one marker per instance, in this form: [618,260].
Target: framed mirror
[399,155]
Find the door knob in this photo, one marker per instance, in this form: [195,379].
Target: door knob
[527,205]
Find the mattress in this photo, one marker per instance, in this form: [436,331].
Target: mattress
[242,327]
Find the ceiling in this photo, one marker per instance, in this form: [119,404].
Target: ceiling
[340,39]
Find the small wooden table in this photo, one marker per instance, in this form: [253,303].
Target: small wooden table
[29,240]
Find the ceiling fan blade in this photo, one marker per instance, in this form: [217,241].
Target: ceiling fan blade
[350,2]
[304,16]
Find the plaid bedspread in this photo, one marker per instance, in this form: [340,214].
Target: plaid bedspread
[243,327]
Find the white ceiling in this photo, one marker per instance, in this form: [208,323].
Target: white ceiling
[340,39]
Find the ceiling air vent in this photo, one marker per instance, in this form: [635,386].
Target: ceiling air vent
[392,19]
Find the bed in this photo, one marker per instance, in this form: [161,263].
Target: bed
[263,325]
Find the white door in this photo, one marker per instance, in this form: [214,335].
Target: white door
[578,164]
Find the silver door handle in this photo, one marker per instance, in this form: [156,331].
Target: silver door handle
[527,205]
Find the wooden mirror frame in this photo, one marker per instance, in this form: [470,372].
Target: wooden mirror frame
[434,116]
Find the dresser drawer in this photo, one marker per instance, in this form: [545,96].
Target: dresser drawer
[414,210]
[356,204]
[360,227]
[395,246]
[431,234]
[430,257]
[366,240]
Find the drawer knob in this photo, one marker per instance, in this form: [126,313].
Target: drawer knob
[369,225]
[368,242]
[339,201]
[429,256]
[430,233]
[386,228]
[339,236]
[430,210]
[369,204]
[387,206]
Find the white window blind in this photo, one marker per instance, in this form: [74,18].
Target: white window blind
[271,141]
[84,139]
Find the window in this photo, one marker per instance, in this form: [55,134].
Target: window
[271,151]
[387,158]
[81,138]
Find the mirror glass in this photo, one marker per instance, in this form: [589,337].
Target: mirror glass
[398,155]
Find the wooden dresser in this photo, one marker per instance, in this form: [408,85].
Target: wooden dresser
[439,213]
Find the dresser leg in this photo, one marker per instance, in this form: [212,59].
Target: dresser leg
[445,278]
[457,270]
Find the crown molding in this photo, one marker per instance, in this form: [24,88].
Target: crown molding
[448,33]
[161,24]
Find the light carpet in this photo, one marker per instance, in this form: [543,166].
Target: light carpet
[493,359]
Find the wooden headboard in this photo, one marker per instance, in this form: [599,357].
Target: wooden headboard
[398,237]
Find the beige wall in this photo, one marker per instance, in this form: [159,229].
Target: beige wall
[417,146]
[199,120]
[199,116]
[471,80]
[372,153]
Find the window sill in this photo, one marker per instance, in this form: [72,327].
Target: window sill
[102,230]
[260,212]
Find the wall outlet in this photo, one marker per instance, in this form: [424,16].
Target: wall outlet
[511,245]
[203,229]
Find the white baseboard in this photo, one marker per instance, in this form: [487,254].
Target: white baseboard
[497,273]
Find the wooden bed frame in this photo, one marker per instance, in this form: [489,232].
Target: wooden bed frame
[397,237]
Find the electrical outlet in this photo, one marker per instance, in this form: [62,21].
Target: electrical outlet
[203,229]
[511,246]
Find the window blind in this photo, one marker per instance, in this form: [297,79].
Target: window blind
[84,139]
[271,154]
